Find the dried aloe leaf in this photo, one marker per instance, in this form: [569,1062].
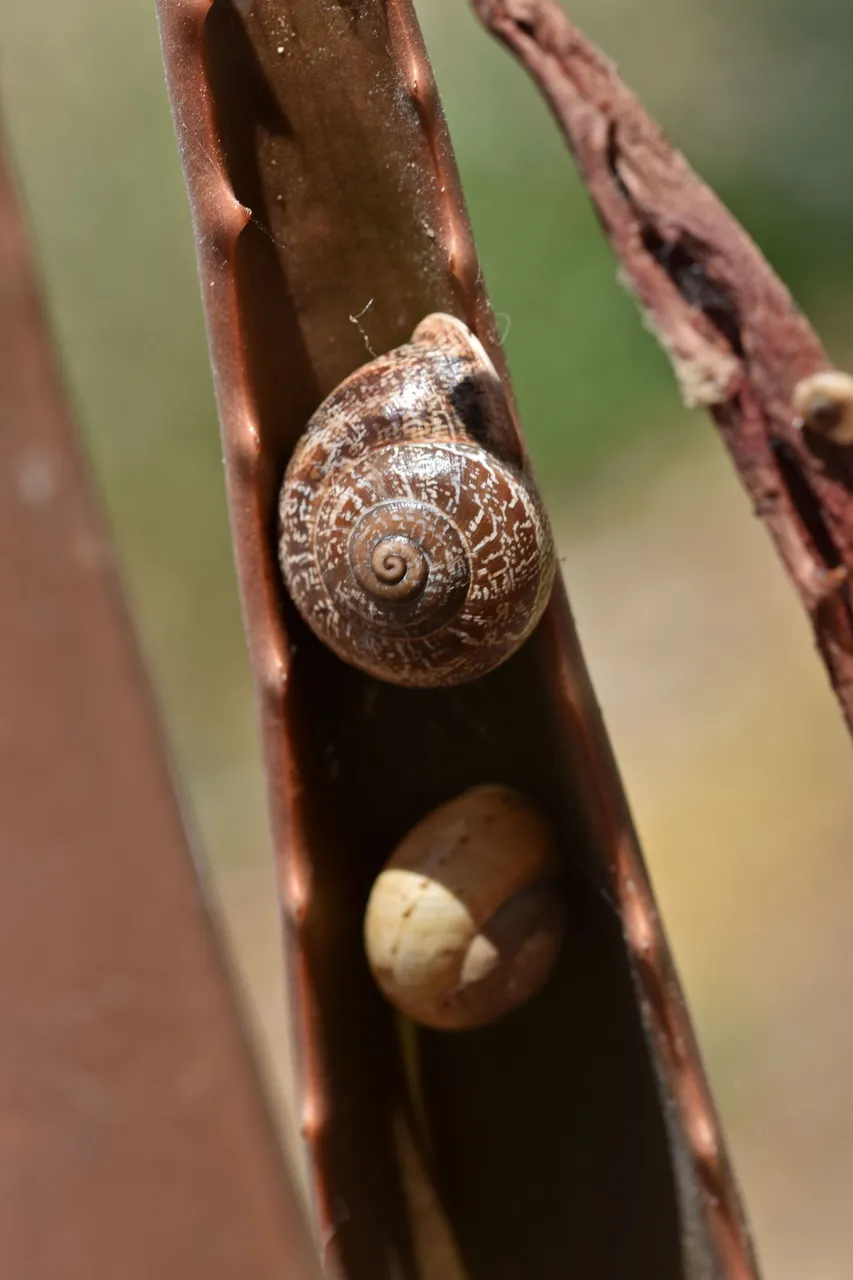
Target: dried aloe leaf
[576,1136]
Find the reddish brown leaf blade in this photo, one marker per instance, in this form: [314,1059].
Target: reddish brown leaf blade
[577,1136]
[135,1141]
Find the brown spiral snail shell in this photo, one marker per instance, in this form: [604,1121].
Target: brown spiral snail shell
[409,543]
[465,921]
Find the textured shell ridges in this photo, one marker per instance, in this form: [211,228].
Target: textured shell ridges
[407,544]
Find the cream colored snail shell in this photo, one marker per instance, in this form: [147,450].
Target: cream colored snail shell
[465,921]
[824,403]
[409,545]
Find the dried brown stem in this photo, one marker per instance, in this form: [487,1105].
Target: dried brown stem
[735,338]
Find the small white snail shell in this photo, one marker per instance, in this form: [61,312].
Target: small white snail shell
[465,921]
[824,403]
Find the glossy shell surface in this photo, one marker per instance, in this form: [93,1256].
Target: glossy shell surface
[466,920]
[408,545]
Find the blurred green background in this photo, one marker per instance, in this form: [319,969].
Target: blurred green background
[734,757]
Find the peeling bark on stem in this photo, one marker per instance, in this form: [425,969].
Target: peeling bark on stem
[736,341]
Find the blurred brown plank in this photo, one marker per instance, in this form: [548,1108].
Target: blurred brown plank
[134,1139]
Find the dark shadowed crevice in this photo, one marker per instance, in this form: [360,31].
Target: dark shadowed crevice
[682,260]
[806,506]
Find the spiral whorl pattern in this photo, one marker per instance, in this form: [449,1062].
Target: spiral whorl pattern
[396,569]
[408,546]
